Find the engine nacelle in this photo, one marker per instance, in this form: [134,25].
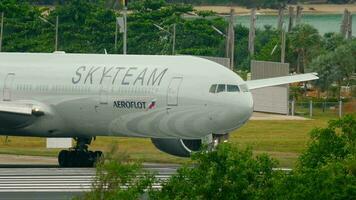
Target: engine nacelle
[177,147]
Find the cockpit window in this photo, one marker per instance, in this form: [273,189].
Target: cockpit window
[213,88]
[233,88]
[244,88]
[221,88]
[217,88]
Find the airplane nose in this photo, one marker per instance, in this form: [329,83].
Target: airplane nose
[232,115]
[239,112]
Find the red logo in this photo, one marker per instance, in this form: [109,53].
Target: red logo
[152,105]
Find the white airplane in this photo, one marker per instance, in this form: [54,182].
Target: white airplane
[177,101]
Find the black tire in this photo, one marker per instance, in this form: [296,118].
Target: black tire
[63,158]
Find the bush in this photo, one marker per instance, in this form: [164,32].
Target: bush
[334,143]
[118,178]
[327,169]
[227,173]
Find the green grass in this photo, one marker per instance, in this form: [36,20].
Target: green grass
[283,140]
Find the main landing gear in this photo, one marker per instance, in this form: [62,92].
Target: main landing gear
[79,156]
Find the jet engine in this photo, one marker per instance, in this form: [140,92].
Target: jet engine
[177,147]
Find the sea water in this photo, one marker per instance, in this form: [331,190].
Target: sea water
[323,22]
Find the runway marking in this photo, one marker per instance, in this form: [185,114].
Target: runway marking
[66,180]
[37,180]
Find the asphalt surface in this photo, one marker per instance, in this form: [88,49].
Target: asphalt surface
[51,182]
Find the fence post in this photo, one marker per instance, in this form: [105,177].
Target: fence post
[340,108]
[292,107]
[310,108]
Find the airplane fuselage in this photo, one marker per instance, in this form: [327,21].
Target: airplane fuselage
[116,95]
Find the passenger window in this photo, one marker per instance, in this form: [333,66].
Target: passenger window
[233,88]
[243,88]
[221,88]
[212,88]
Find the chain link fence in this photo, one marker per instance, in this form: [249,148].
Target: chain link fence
[312,109]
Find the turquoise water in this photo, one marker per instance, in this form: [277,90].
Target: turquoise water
[324,23]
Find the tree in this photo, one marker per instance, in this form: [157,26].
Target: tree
[335,66]
[334,143]
[327,168]
[23,30]
[304,41]
[85,27]
[268,45]
[226,173]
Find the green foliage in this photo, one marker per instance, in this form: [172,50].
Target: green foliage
[304,41]
[335,66]
[326,170]
[226,173]
[82,26]
[331,181]
[23,28]
[118,178]
[331,41]
[330,144]
[242,57]
[246,3]
[89,27]
[268,44]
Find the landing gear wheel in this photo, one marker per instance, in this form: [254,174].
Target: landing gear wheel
[79,156]
[63,158]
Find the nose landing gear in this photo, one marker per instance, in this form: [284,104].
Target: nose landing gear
[79,156]
[219,138]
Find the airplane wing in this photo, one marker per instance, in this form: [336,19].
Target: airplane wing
[261,83]
[18,114]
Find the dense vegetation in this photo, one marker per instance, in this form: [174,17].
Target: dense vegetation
[89,27]
[248,3]
[261,3]
[325,170]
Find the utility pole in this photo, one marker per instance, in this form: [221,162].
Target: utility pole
[299,14]
[56,43]
[252,32]
[1,30]
[291,18]
[349,26]
[280,18]
[116,32]
[119,29]
[55,26]
[344,23]
[125,30]
[230,40]
[174,40]
[172,34]
[283,44]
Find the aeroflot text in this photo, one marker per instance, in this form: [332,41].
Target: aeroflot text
[130,104]
[118,75]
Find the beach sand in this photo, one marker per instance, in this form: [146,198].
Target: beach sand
[307,8]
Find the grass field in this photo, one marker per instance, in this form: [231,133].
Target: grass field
[283,140]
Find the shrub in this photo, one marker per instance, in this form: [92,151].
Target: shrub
[118,178]
[227,173]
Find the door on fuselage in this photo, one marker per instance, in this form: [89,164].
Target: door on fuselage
[7,90]
[173,91]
